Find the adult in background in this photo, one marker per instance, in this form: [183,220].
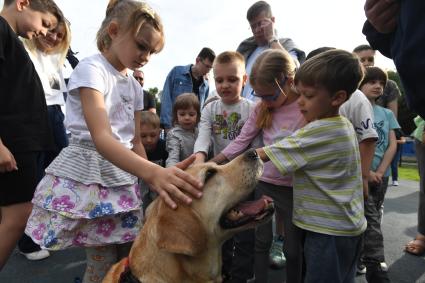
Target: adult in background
[417,245]
[396,29]
[182,79]
[149,103]
[264,36]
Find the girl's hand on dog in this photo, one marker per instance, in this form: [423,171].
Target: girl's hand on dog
[173,184]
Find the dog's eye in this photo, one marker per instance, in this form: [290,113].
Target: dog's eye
[209,173]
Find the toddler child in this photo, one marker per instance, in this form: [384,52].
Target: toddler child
[385,123]
[221,122]
[24,124]
[155,150]
[181,138]
[90,196]
[325,161]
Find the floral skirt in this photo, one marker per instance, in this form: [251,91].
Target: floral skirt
[68,213]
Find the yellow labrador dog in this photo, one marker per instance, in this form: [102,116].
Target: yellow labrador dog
[184,245]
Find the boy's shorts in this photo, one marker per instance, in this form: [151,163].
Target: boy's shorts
[18,186]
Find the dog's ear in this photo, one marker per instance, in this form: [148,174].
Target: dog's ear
[180,231]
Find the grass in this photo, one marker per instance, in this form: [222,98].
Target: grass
[408,172]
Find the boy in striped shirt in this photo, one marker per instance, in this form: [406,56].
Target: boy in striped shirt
[324,159]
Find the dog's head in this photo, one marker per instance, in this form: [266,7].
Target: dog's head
[220,212]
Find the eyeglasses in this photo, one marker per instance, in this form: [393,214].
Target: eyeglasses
[139,78]
[209,67]
[274,96]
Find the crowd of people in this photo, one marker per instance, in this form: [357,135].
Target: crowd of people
[325,125]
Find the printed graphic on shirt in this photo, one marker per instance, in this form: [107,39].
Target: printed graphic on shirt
[365,125]
[381,134]
[124,109]
[227,125]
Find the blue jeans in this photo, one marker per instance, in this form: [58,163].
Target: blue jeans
[330,259]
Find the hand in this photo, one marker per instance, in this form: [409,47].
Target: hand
[267,28]
[382,14]
[200,157]
[7,161]
[171,182]
[375,177]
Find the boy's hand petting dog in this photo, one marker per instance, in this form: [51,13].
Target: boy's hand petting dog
[173,183]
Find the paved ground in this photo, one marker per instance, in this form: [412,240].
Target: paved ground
[399,227]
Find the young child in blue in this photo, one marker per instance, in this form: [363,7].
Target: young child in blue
[24,124]
[385,123]
[90,196]
[325,161]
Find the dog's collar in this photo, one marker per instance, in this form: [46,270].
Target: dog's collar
[126,276]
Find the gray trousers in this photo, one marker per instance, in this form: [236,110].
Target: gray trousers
[420,155]
[292,246]
[373,241]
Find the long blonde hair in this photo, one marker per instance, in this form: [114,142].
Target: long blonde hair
[271,67]
[131,15]
[61,48]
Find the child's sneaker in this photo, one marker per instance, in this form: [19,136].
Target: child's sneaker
[37,255]
[361,268]
[277,258]
[395,183]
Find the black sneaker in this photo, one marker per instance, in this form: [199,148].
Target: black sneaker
[375,273]
[361,268]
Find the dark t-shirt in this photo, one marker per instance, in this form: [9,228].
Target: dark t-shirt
[159,155]
[23,112]
[148,101]
[196,83]
[391,93]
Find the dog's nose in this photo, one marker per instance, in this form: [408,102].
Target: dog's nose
[251,154]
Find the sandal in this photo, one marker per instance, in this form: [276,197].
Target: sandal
[415,247]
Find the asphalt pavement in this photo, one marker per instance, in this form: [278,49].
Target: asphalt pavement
[399,227]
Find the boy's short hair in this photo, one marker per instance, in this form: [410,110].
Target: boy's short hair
[362,47]
[333,70]
[186,101]
[317,51]
[151,119]
[42,6]
[227,57]
[374,74]
[207,53]
[257,8]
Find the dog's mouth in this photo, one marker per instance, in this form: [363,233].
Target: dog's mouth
[248,212]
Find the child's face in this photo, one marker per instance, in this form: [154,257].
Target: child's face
[33,23]
[272,96]
[127,51]
[53,38]
[373,89]
[316,103]
[229,80]
[186,118]
[367,57]
[150,136]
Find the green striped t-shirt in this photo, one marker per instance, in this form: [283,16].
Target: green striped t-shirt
[324,158]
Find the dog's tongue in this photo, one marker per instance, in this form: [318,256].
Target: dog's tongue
[253,207]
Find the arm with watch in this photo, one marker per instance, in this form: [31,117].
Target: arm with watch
[274,42]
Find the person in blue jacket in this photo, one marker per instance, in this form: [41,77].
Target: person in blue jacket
[183,79]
